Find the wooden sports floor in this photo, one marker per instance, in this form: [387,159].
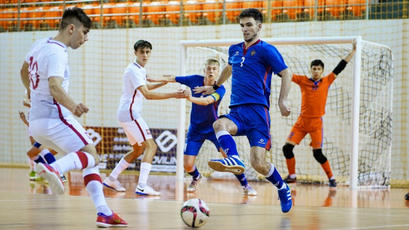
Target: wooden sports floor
[26,205]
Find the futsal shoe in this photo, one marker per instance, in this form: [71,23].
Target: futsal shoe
[249,191]
[193,185]
[52,176]
[231,164]
[284,195]
[113,220]
[113,184]
[146,191]
[332,183]
[290,179]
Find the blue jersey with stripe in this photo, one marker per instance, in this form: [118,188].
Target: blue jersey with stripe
[202,116]
[252,69]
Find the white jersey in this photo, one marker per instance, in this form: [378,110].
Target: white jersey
[130,105]
[47,58]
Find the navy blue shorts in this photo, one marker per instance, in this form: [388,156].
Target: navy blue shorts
[252,121]
[195,140]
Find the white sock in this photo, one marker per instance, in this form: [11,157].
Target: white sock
[143,174]
[31,162]
[120,167]
[72,161]
[94,188]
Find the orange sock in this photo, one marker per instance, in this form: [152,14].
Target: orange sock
[291,165]
[327,169]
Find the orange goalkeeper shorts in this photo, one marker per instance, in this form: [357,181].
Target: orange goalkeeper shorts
[305,125]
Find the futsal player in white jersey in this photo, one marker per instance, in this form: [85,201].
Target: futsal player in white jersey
[134,89]
[45,74]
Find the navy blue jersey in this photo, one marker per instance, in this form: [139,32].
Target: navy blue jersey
[252,69]
[202,116]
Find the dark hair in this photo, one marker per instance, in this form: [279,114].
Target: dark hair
[252,13]
[142,44]
[317,62]
[73,15]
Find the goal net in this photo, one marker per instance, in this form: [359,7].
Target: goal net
[373,98]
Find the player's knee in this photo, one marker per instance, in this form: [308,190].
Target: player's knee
[90,149]
[288,151]
[319,156]
[151,145]
[188,165]
[218,125]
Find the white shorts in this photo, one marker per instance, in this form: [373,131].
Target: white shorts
[63,135]
[137,131]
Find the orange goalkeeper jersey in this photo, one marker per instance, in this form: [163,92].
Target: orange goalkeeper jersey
[314,94]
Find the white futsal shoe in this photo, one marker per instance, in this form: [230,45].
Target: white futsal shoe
[249,191]
[52,176]
[113,184]
[146,191]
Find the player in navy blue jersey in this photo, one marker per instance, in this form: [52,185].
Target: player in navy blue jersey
[251,64]
[202,116]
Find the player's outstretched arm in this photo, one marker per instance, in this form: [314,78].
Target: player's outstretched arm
[151,95]
[25,78]
[165,78]
[152,86]
[351,54]
[226,73]
[63,98]
[23,118]
[341,65]
[284,91]
[199,100]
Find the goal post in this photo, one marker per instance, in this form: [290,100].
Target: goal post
[357,124]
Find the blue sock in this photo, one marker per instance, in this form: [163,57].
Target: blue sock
[227,143]
[40,159]
[242,179]
[195,174]
[49,157]
[274,177]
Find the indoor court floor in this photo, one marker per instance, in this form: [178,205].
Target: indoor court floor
[29,205]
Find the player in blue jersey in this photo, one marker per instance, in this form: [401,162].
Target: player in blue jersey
[202,116]
[251,64]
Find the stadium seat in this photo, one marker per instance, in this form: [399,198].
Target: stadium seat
[38,15]
[335,8]
[114,14]
[3,20]
[292,8]
[276,11]
[134,10]
[356,7]
[173,12]
[52,16]
[192,12]
[233,9]
[93,10]
[30,17]
[9,15]
[257,4]
[155,12]
[309,8]
[212,10]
